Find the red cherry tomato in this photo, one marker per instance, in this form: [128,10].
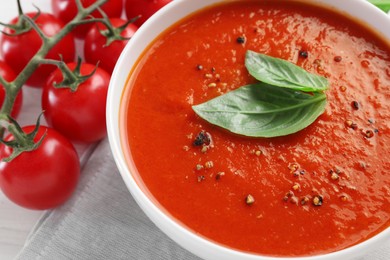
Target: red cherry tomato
[8,74]
[95,48]
[43,178]
[145,8]
[79,115]
[66,10]
[18,50]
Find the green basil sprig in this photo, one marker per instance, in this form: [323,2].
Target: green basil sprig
[382,4]
[277,106]
[281,73]
[262,110]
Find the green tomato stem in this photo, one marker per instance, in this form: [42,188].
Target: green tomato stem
[12,88]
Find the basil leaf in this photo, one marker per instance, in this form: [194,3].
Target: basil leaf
[282,73]
[262,110]
[381,4]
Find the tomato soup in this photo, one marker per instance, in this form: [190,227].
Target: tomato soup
[317,191]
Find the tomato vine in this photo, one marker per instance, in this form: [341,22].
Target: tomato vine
[26,23]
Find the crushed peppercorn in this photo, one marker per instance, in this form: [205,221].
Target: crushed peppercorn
[293,167]
[201,178]
[343,197]
[338,58]
[203,138]
[294,200]
[219,175]
[304,54]
[355,105]
[209,165]
[317,200]
[351,124]
[334,176]
[296,186]
[368,133]
[288,195]
[298,173]
[241,39]
[249,199]
[199,167]
[199,67]
[304,200]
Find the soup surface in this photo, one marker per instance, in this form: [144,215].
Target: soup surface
[320,190]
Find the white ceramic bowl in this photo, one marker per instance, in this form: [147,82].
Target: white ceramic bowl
[171,13]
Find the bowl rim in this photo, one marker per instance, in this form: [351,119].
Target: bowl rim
[153,27]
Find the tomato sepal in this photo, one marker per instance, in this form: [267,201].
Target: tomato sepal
[112,33]
[22,142]
[23,25]
[72,79]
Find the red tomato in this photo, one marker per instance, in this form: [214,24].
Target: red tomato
[18,50]
[95,48]
[66,10]
[145,8]
[9,75]
[43,178]
[79,115]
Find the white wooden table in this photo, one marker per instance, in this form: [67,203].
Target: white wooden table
[15,225]
[16,222]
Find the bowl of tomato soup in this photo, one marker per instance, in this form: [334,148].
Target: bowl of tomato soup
[322,192]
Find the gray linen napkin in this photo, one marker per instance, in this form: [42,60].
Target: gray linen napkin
[102,221]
